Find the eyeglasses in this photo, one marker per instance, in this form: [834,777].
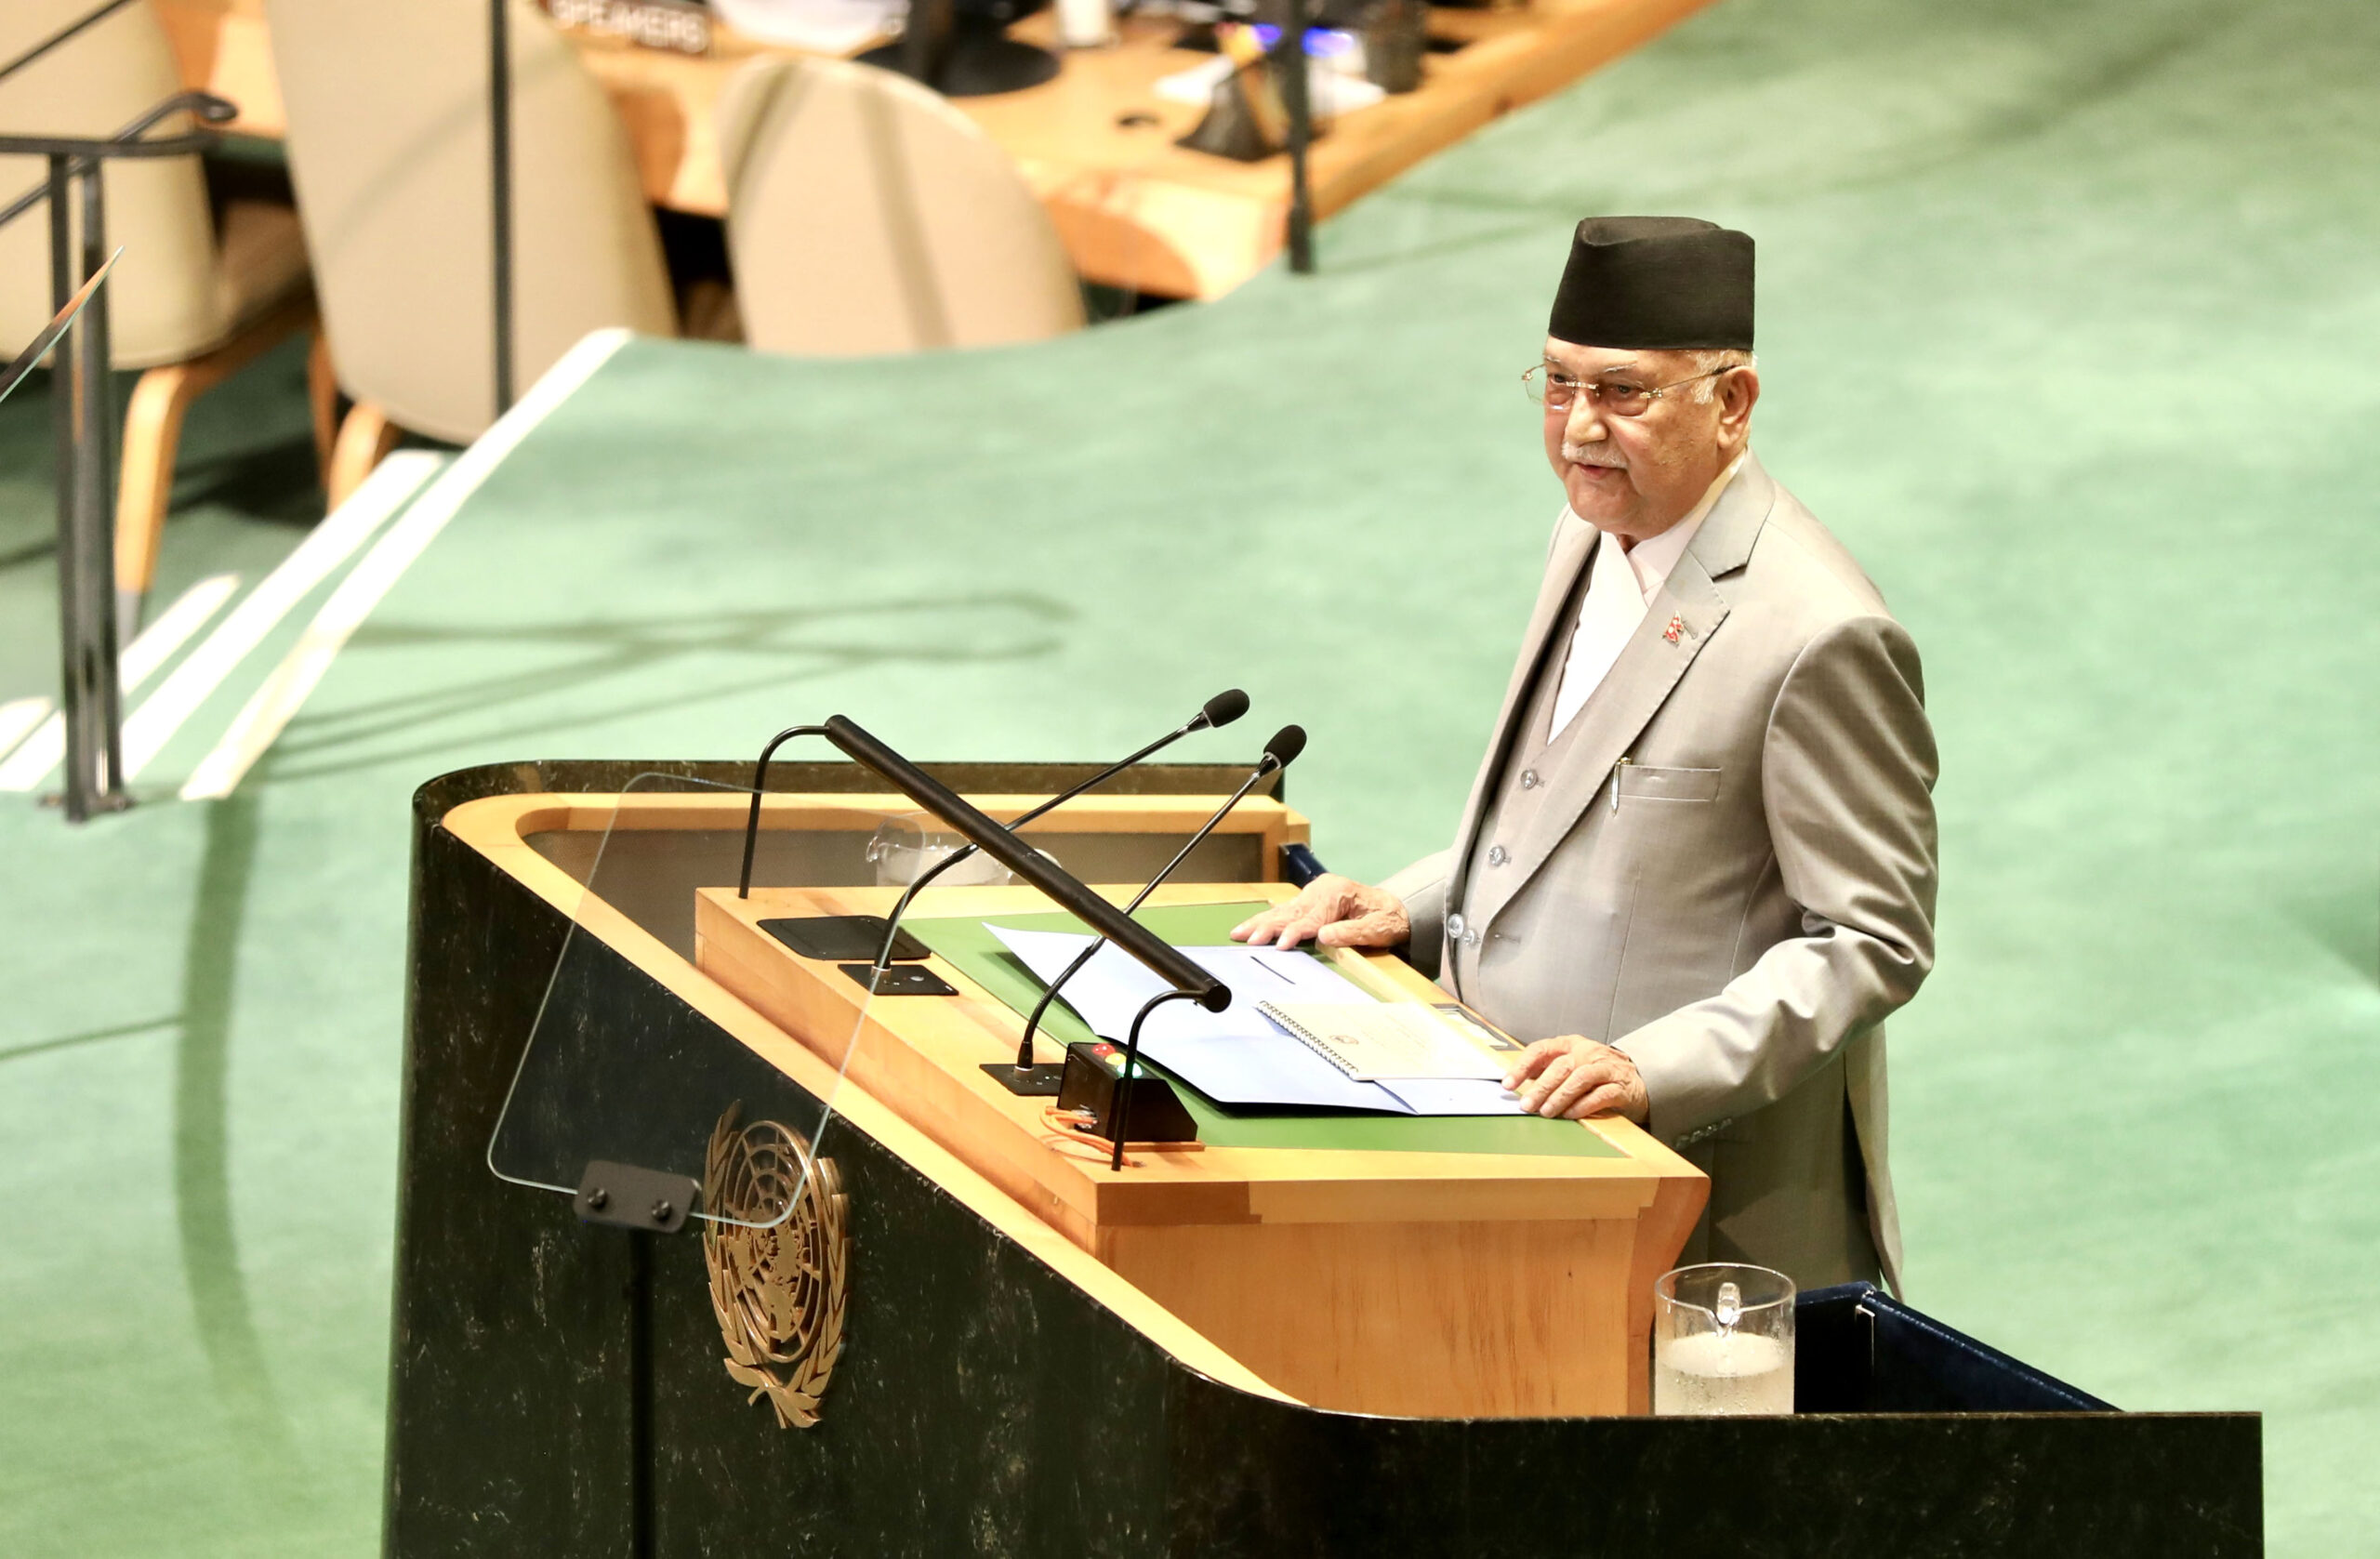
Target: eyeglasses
[1555,390]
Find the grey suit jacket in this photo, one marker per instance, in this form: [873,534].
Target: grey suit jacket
[1755,899]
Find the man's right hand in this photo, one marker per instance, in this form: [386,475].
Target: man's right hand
[1336,912]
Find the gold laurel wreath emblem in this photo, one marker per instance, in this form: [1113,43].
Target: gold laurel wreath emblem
[779,1291]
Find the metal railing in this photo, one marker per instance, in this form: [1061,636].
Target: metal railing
[83,413]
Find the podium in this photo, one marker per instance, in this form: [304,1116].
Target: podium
[1428,1267]
[1307,1334]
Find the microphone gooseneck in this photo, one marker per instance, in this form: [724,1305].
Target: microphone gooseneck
[759,782]
[1036,869]
[1219,710]
[1279,753]
[1123,1096]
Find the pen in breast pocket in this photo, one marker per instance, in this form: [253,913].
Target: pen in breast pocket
[1625,761]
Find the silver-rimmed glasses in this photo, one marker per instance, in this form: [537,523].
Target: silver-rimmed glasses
[1556,390]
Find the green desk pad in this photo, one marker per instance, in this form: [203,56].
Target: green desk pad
[979,954]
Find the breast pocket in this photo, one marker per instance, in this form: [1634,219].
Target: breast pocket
[1654,784]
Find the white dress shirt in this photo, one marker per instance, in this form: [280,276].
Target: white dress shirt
[1620,584]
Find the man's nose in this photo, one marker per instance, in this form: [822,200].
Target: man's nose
[1585,423]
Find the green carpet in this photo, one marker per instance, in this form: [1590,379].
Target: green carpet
[243,494]
[2068,313]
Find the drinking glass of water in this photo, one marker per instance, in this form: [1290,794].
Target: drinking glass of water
[1723,1341]
[905,848]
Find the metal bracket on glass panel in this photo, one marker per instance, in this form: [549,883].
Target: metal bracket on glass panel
[629,1198]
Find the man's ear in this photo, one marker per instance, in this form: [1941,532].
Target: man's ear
[1738,392]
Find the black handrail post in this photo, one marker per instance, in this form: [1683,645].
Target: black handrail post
[90,691]
[499,143]
[1295,82]
[65,416]
[98,486]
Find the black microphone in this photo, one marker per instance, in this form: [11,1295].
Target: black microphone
[1037,870]
[1282,751]
[1279,753]
[1217,712]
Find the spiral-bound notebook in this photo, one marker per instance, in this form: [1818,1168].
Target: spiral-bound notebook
[1376,1041]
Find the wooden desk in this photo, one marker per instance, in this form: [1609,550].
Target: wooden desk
[1134,209]
[1419,1283]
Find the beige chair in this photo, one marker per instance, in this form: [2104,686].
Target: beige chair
[193,300]
[388,146]
[865,214]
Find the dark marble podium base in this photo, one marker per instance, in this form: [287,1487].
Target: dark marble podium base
[556,1388]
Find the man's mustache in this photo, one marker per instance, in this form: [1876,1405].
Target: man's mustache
[1594,454]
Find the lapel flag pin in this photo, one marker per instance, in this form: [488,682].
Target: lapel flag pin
[1677,625]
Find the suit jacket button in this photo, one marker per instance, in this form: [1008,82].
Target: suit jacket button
[1528,779]
[1470,939]
[1498,856]
[1454,927]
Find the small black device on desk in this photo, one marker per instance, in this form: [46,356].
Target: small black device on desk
[899,980]
[1094,1083]
[841,937]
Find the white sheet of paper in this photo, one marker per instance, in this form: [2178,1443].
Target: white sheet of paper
[1114,985]
[1234,1056]
[1455,1096]
[1385,1041]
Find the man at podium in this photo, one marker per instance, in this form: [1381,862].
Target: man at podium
[1697,866]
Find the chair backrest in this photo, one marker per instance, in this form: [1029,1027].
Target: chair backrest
[865,214]
[388,106]
[162,303]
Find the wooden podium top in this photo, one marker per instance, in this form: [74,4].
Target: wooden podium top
[1096,143]
[926,1054]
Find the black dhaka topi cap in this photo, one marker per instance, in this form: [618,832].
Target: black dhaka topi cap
[1654,284]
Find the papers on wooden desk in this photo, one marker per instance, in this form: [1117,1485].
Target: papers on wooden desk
[1381,1041]
[1239,1056]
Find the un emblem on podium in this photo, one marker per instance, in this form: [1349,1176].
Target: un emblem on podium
[778,1292]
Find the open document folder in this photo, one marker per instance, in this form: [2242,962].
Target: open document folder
[1239,1056]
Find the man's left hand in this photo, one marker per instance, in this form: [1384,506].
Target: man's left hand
[1573,1077]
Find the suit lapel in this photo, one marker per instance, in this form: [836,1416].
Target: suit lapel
[1639,683]
[1574,545]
